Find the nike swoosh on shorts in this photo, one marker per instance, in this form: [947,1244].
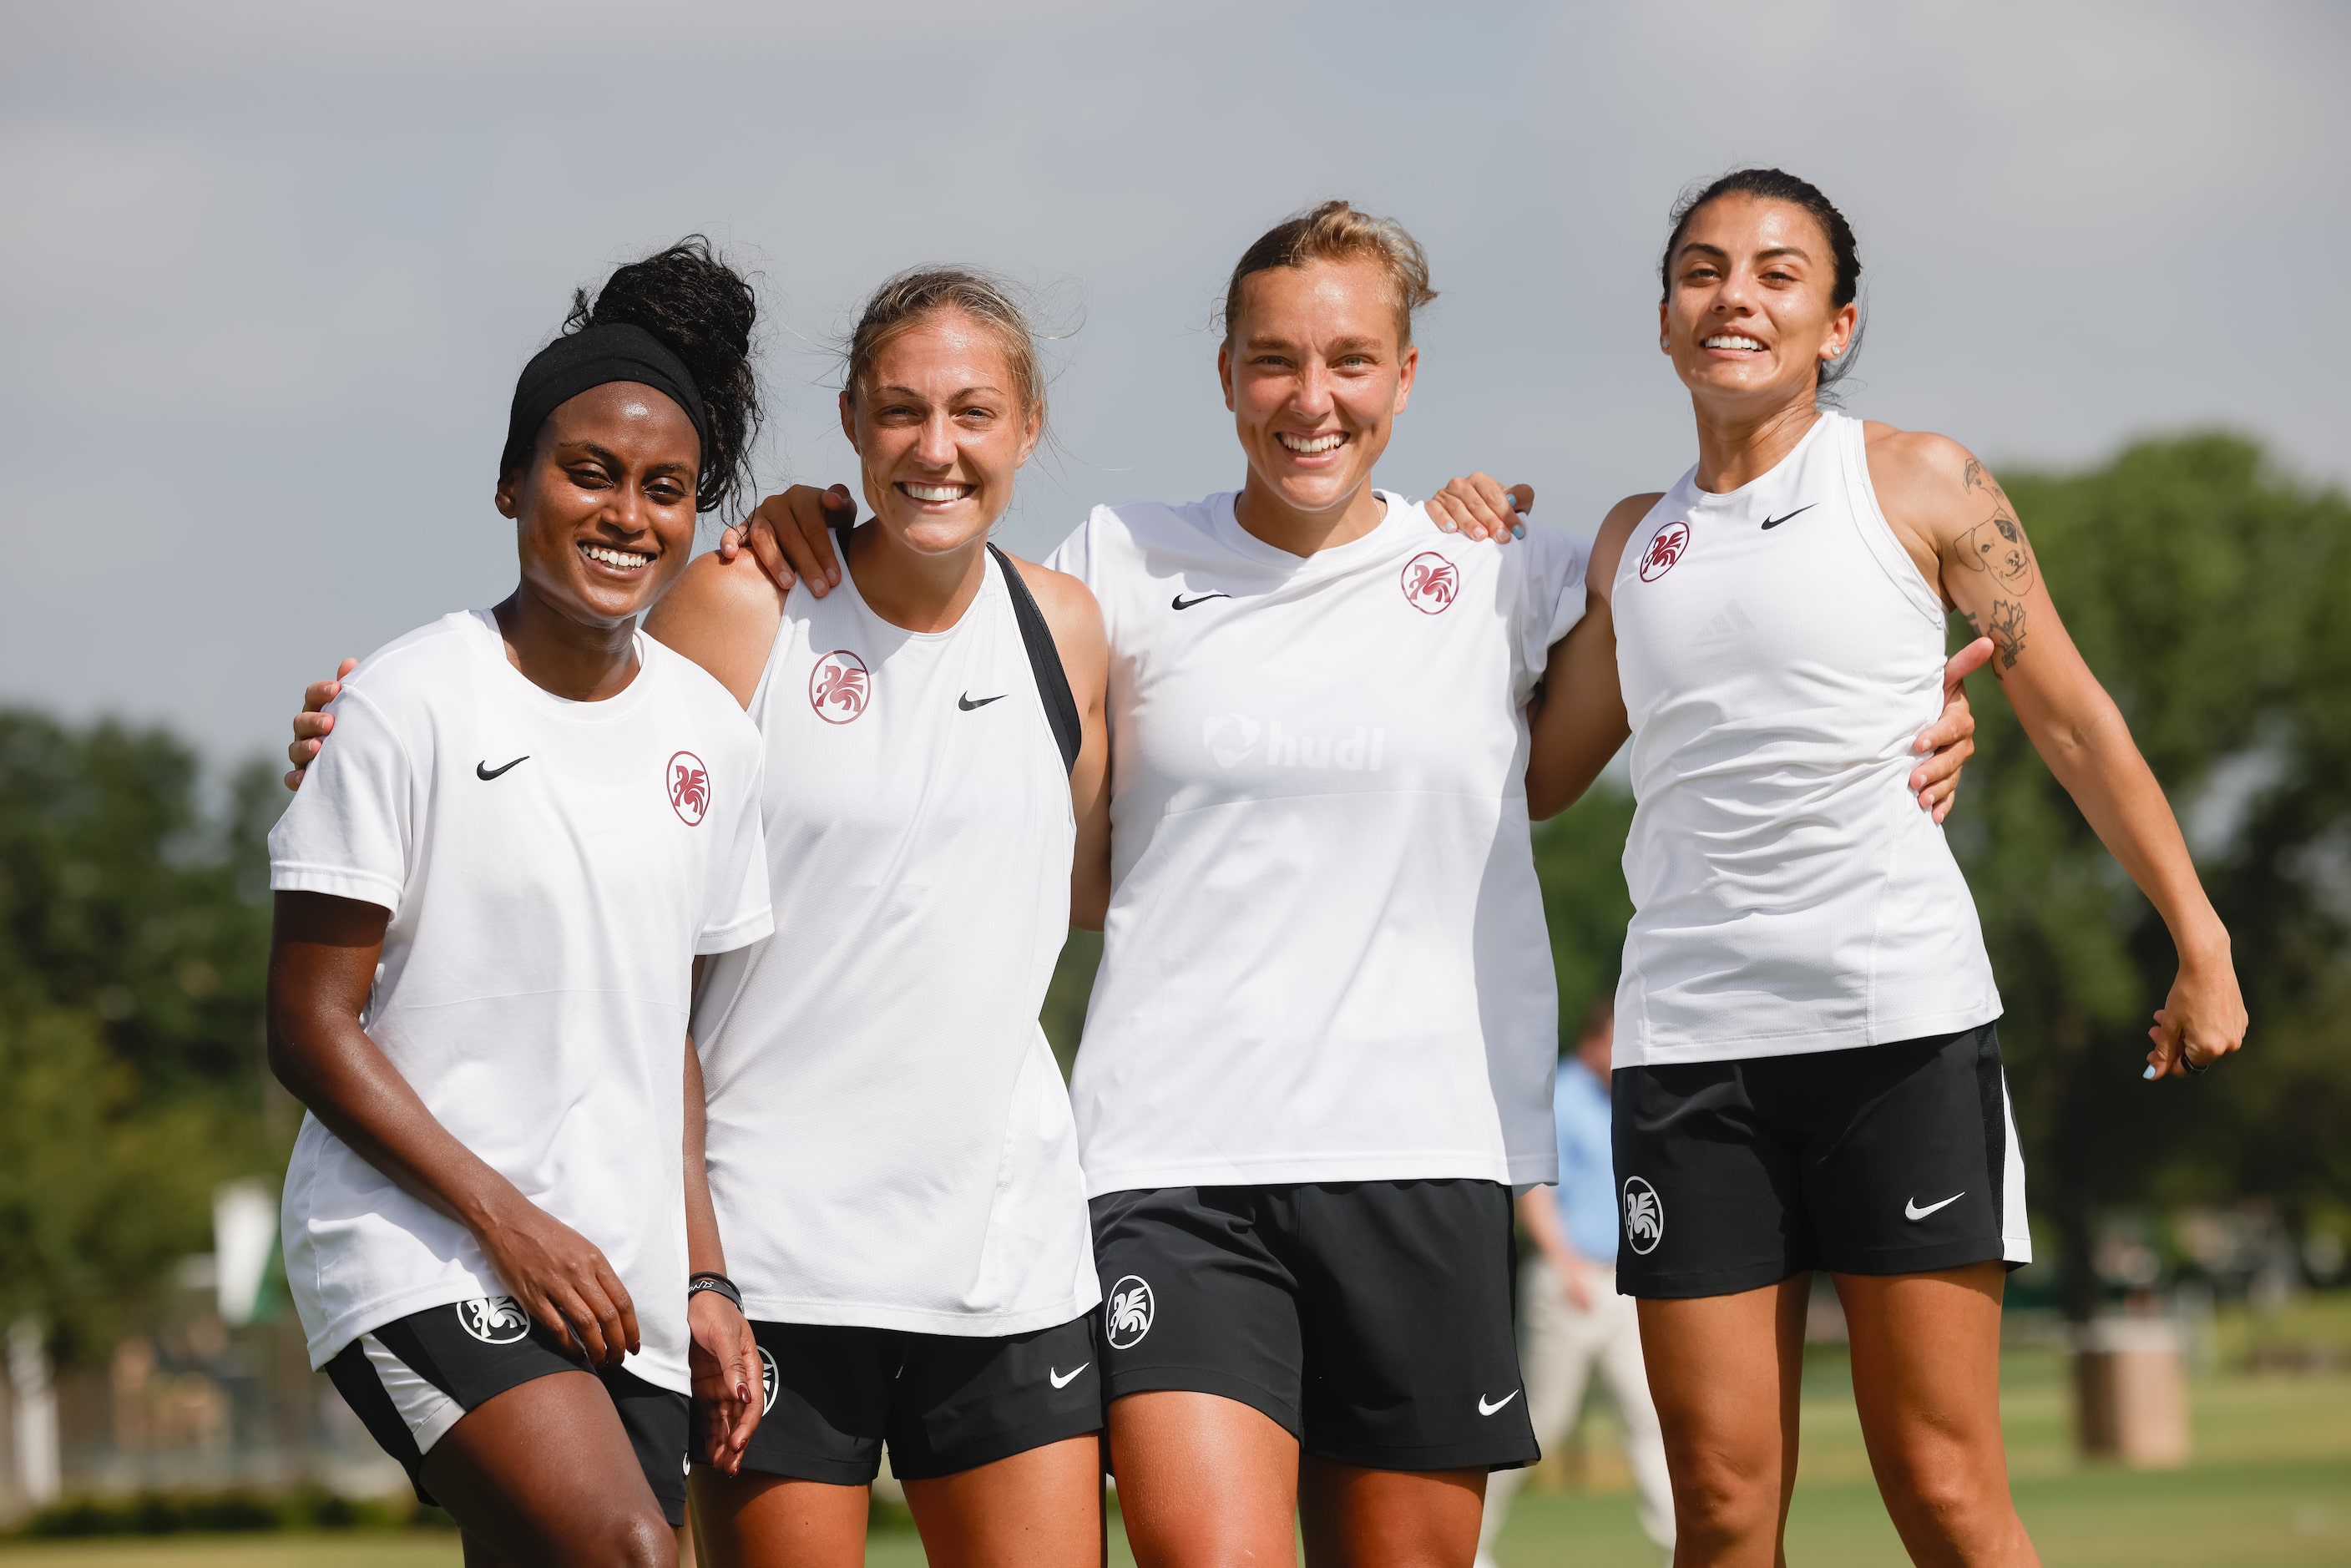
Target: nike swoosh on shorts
[1911,1210]
[1486,1409]
[1061,1379]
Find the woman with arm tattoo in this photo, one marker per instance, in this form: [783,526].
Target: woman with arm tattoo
[1807,1075]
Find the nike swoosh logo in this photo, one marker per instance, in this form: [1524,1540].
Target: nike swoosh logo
[1486,1409]
[1912,1211]
[1800,511]
[1183,603]
[1062,1380]
[484,771]
[965,703]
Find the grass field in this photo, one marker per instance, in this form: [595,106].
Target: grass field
[2270,1486]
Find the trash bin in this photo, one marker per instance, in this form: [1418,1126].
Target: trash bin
[2130,1392]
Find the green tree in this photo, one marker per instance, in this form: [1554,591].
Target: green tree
[133,945]
[2206,592]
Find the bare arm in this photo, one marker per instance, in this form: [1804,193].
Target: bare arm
[1946,502]
[723,1360]
[322,958]
[1578,721]
[1076,622]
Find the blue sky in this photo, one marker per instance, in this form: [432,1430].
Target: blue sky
[272,267]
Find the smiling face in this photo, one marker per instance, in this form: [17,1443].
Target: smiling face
[1750,319]
[1315,373]
[604,508]
[941,429]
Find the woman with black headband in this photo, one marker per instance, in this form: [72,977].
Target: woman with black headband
[491,903]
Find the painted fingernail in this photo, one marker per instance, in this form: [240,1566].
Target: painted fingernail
[2152,1072]
[1518,530]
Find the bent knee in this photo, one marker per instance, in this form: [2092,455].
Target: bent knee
[638,1540]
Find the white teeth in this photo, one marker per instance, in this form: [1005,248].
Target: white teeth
[1309,445]
[939,492]
[1731,340]
[627,561]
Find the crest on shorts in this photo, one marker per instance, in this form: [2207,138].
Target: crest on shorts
[767,1380]
[1127,1314]
[1430,582]
[1664,549]
[493,1320]
[839,686]
[1644,1216]
[689,788]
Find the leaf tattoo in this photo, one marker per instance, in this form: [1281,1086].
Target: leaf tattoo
[2006,631]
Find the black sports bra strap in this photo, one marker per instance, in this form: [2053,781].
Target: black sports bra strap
[1045,663]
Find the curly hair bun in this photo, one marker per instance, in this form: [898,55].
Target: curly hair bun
[703,311]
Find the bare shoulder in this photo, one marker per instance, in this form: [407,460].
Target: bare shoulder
[1926,481]
[711,586]
[723,615]
[1608,544]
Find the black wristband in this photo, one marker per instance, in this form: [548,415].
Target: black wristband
[718,1282]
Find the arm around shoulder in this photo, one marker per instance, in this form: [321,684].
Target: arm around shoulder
[1578,720]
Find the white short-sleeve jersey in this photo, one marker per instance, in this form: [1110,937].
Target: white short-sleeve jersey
[552,869]
[1325,957]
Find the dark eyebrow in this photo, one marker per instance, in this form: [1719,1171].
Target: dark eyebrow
[1715,251]
[611,459]
[1779,250]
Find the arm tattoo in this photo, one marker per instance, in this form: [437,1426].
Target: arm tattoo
[1998,546]
[2006,631]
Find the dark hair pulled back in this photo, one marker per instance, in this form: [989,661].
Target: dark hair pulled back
[1779,185]
[703,311]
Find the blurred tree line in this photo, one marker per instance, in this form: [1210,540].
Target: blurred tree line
[2205,590]
[133,934]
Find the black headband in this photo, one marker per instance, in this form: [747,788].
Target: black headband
[568,366]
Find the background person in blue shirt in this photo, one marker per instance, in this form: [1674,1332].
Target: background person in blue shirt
[1571,1319]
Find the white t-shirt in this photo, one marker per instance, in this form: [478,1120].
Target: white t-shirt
[1325,957]
[1780,654]
[890,1141]
[552,869]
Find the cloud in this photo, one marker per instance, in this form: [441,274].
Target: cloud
[277,264]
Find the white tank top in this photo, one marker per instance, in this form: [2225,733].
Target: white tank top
[890,1141]
[1779,653]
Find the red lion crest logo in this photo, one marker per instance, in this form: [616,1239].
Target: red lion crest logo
[1665,549]
[689,788]
[1430,582]
[839,687]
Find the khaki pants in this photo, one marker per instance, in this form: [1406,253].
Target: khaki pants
[1560,1347]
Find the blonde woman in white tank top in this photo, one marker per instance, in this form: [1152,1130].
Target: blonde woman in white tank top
[1807,1073]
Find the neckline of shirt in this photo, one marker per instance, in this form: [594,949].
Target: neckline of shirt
[1711,500]
[480,629]
[986,586]
[1225,523]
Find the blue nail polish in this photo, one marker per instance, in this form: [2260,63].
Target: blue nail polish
[1518,530]
[2152,1072]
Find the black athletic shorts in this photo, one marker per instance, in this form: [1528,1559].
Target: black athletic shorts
[1884,1159]
[427,1369]
[944,1403]
[1374,1320]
